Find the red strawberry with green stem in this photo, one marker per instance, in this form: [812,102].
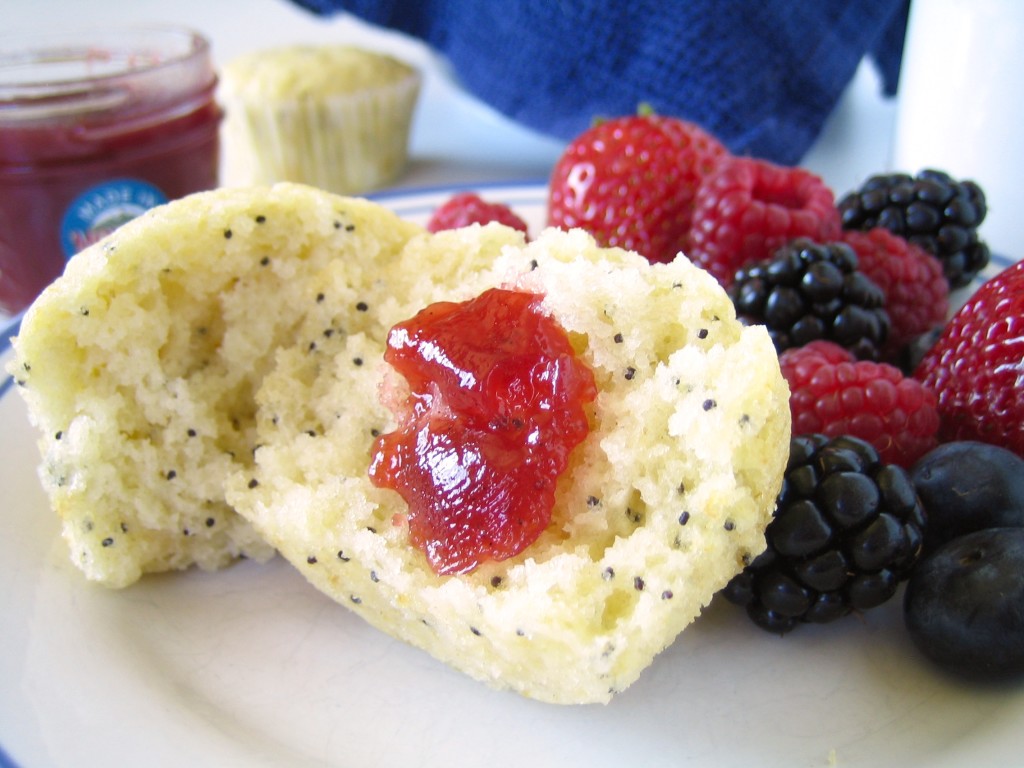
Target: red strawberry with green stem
[630,182]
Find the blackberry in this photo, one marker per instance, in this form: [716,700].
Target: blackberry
[808,291]
[847,530]
[931,210]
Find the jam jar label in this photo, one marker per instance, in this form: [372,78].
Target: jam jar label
[101,209]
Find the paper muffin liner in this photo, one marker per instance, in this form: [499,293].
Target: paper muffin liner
[345,143]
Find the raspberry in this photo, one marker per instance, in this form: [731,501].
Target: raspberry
[467,208]
[810,291]
[746,208]
[931,210]
[832,394]
[975,368]
[630,182]
[847,530]
[916,291]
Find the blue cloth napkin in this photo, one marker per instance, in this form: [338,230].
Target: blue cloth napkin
[762,75]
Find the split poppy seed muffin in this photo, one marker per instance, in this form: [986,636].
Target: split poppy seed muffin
[662,502]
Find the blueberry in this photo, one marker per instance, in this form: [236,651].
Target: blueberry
[964,605]
[968,486]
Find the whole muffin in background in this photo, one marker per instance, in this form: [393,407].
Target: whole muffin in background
[335,117]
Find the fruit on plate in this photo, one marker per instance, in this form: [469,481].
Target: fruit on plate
[808,291]
[465,208]
[847,530]
[931,210]
[976,368]
[746,208]
[631,181]
[964,605]
[834,394]
[967,486]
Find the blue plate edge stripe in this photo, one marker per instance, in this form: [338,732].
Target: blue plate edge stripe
[1001,260]
[11,329]
[6,761]
[407,201]
[384,195]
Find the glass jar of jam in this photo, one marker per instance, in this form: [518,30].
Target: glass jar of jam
[95,128]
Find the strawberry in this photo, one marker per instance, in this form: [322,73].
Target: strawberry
[630,182]
[976,367]
[467,208]
[833,394]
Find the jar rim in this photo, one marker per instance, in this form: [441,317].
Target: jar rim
[56,72]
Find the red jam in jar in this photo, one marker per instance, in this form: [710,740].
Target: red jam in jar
[95,128]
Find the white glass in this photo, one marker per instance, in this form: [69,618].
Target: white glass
[961,105]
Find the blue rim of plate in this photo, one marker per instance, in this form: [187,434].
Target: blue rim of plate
[9,330]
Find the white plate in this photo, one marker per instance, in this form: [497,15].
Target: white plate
[253,667]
